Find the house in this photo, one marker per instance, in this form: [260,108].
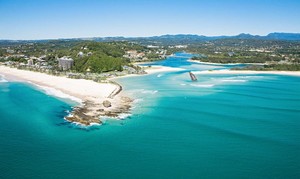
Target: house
[80,54]
[231,54]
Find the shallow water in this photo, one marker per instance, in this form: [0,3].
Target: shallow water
[222,126]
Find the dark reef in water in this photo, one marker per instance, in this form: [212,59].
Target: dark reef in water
[90,112]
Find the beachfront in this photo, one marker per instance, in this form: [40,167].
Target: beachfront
[99,99]
[89,94]
[224,72]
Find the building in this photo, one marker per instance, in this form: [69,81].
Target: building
[30,62]
[80,54]
[231,54]
[65,63]
[10,51]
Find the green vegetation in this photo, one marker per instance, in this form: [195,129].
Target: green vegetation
[99,63]
[99,57]
[271,67]
[222,58]
[276,55]
[94,57]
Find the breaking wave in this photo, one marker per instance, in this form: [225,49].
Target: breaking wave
[149,91]
[203,85]
[232,80]
[159,75]
[2,79]
[57,93]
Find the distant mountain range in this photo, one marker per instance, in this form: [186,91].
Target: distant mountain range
[179,38]
[271,36]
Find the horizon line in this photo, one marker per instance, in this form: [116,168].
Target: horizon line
[127,37]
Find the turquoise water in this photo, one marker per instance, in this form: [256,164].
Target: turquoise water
[223,126]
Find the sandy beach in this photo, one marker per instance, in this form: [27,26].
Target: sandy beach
[158,69]
[150,70]
[292,73]
[210,63]
[89,93]
[80,88]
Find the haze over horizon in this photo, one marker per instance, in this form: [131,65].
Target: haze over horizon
[33,19]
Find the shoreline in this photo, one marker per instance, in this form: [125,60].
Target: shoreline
[159,68]
[149,70]
[224,72]
[89,95]
[211,63]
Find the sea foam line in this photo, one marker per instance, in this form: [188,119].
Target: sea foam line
[2,79]
[149,91]
[56,93]
[232,80]
[77,124]
[203,85]
[159,75]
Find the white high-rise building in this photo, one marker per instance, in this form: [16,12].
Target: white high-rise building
[65,63]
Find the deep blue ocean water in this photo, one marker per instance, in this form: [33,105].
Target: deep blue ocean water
[222,126]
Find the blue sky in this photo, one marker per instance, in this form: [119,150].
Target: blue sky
[44,19]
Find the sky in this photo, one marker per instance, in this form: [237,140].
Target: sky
[51,19]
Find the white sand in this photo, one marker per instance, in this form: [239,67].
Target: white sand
[97,92]
[149,70]
[210,63]
[293,73]
[79,88]
[157,69]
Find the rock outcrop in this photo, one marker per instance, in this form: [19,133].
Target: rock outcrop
[91,112]
[106,103]
[79,115]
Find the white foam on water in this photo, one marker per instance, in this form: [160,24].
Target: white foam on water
[232,80]
[203,85]
[57,93]
[78,124]
[138,100]
[149,91]
[84,126]
[182,84]
[251,77]
[159,75]
[199,72]
[2,79]
[119,117]
[124,115]
[94,124]
[241,78]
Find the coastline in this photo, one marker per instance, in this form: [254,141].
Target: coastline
[210,63]
[96,100]
[290,73]
[159,68]
[89,94]
[149,70]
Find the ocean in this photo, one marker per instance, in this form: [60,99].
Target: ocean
[222,126]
